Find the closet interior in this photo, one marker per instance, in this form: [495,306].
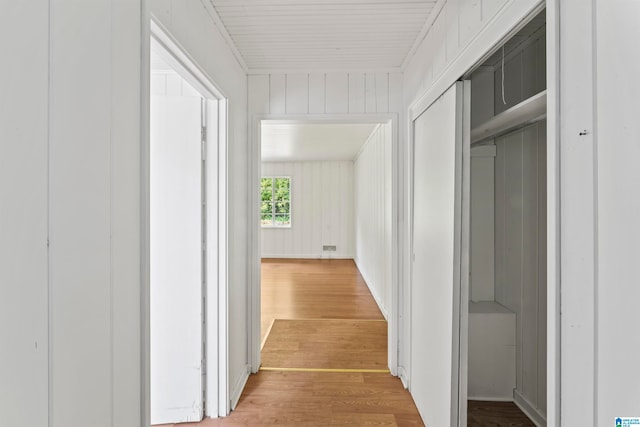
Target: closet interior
[507,283]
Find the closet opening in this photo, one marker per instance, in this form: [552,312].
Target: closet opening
[507,336]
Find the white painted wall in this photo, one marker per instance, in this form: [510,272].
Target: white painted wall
[193,28]
[320,93]
[482,224]
[373,238]
[24,291]
[74,129]
[70,135]
[520,252]
[321,211]
[600,233]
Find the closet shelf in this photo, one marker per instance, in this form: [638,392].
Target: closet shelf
[528,111]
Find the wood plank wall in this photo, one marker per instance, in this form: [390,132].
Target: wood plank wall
[373,240]
[520,239]
[330,93]
[321,210]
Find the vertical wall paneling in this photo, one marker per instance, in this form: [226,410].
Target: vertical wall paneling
[395,93]
[382,92]
[372,177]
[470,19]
[529,320]
[24,323]
[126,194]
[356,93]
[297,93]
[337,93]
[438,34]
[482,236]
[325,93]
[618,292]
[520,237]
[321,210]
[490,7]
[450,13]
[277,93]
[81,276]
[542,271]
[578,218]
[316,93]
[258,87]
[370,93]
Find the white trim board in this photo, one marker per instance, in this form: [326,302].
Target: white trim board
[238,387]
[328,255]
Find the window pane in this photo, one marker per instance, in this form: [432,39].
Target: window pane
[266,207]
[266,185]
[282,219]
[282,189]
[266,219]
[283,207]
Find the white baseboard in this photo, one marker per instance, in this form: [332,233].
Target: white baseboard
[536,417]
[402,374]
[332,255]
[238,387]
[490,399]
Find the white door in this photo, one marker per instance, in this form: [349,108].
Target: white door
[176,259]
[436,353]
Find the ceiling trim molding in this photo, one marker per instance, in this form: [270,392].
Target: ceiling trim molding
[213,13]
[435,13]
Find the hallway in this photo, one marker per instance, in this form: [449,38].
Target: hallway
[324,357]
[325,296]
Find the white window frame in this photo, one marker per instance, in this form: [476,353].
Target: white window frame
[273,204]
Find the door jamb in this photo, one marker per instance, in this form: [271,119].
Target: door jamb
[175,55]
[254,224]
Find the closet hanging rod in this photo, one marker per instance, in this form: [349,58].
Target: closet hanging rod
[528,111]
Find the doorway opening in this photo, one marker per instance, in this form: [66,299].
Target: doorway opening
[326,205]
[187,238]
[507,331]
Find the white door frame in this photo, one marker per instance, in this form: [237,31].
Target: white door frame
[255,136]
[215,148]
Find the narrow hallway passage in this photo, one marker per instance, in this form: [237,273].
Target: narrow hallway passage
[325,342]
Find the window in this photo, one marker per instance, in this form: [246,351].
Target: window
[275,209]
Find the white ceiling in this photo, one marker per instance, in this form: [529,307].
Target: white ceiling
[324,34]
[312,142]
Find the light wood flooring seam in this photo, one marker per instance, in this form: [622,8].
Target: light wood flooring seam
[351,371]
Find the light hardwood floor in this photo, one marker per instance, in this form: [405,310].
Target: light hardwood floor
[330,289]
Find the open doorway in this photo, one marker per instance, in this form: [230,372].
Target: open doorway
[336,179]
[187,238]
[507,256]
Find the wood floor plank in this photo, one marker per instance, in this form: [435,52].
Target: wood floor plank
[331,289]
[314,289]
[496,414]
[328,344]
